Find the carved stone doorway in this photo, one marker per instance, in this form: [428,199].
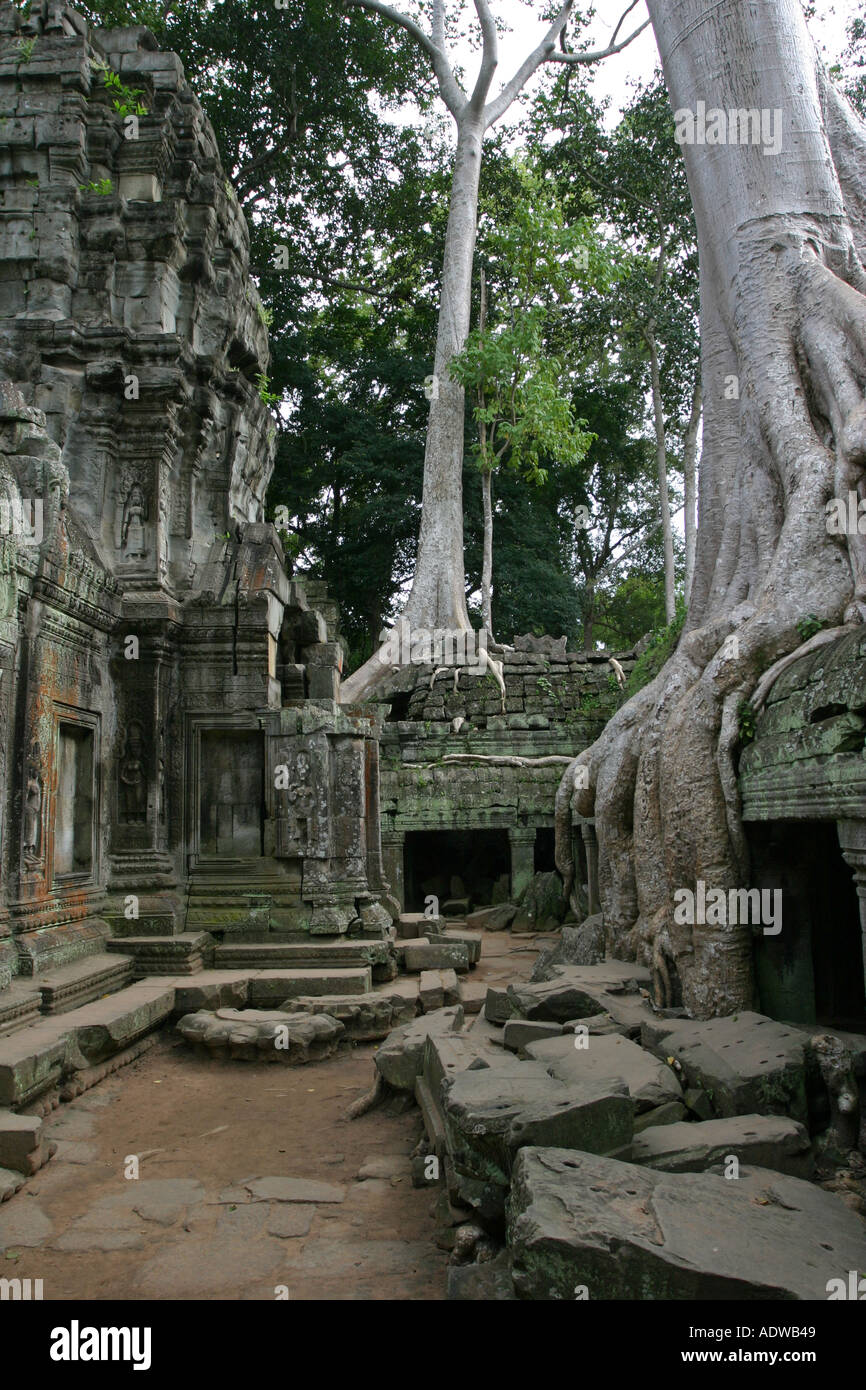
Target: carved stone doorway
[231,801]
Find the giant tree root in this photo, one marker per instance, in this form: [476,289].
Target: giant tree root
[369,1100]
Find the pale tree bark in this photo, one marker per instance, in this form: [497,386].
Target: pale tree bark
[690,463]
[783,315]
[438,595]
[662,469]
[486,491]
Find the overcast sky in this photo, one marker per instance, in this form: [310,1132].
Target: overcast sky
[614,76]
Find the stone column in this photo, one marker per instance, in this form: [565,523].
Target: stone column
[590,841]
[522,842]
[392,863]
[852,839]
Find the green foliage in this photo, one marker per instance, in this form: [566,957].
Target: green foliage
[266,396]
[124,99]
[25,49]
[746,720]
[663,644]
[102,187]
[808,626]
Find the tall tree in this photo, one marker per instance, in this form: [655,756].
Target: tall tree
[782,233]
[437,598]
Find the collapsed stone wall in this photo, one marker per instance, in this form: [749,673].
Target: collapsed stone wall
[556,703]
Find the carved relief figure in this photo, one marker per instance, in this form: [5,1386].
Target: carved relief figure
[133,537]
[32,817]
[132,774]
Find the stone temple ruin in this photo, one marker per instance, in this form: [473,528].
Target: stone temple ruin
[198,838]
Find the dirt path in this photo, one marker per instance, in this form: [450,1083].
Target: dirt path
[189,1228]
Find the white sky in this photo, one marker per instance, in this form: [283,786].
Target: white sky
[638,61]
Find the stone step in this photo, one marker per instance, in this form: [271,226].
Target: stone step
[36,1058]
[433,955]
[269,988]
[20,1004]
[70,986]
[309,954]
[184,954]
[23,1147]
[470,939]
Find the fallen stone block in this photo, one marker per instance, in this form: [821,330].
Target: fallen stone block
[554,1001]
[470,939]
[412,925]
[492,918]
[520,1031]
[498,1005]
[583,945]
[607,1058]
[110,1025]
[472,996]
[745,1064]
[670,1114]
[399,1060]
[490,1114]
[257,1035]
[431,991]
[622,1231]
[435,955]
[762,1141]
[489,1282]
[451,987]
[22,1145]
[365,1017]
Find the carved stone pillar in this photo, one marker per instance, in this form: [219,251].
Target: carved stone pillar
[522,842]
[590,841]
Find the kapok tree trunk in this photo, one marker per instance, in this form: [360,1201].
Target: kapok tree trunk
[487,556]
[782,238]
[690,462]
[662,469]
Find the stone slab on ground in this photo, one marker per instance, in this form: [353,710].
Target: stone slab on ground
[33,1060]
[577,945]
[492,918]
[21,1144]
[400,1059]
[109,1025]
[627,1232]
[762,1141]
[470,939]
[498,1005]
[491,1113]
[435,955]
[607,1057]
[746,1064]
[280,1189]
[365,1017]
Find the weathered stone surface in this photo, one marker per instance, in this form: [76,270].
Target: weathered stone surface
[762,1141]
[257,1035]
[745,1064]
[400,1058]
[21,1145]
[606,1058]
[583,945]
[624,1231]
[303,1190]
[492,918]
[365,1017]
[542,906]
[498,1005]
[439,955]
[490,1114]
[554,1001]
[489,1282]
[520,1031]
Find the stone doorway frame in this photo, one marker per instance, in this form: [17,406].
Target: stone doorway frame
[91,721]
[194,726]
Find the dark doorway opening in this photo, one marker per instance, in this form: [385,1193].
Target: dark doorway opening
[545,847]
[232,792]
[73,831]
[812,971]
[436,862]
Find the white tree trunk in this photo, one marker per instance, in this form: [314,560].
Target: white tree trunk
[690,460]
[783,315]
[487,557]
[662,467]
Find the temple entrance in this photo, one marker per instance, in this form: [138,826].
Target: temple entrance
[232,793]
[812,971]
[439,862]
[73,828]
